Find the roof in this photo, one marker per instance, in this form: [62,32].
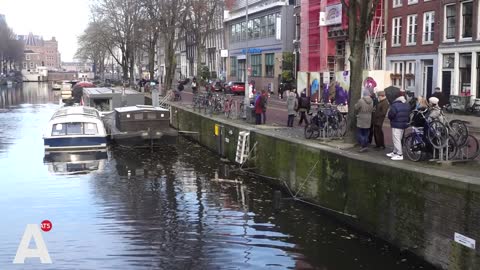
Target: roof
[141,108]
[107,91]
[76,110]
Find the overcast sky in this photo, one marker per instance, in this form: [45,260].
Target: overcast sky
[64,19]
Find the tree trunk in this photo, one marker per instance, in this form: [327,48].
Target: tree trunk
[356,79]
[170,63]
[151,60]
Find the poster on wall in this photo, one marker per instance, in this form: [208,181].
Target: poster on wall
[302,78]
[314,86]
[333,14]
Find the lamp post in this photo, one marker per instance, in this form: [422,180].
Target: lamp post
[246,100]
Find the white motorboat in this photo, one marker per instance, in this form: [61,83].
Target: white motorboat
[75,128]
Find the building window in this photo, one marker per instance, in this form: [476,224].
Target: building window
[411,2]
[428,26]
[256,63]
[448,60]
[269,64]
[412,29]
[451,22]
[467,19]
[465,67]
[27,57]
[478,76]
[397,31]
[263,27]
[397,3]
[410,74]
[32,65]
[244,30]
[24,65]
[397,75]
[271,25]
[233,66]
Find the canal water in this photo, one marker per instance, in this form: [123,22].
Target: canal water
[138,209]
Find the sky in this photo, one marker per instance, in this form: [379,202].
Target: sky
[63,19]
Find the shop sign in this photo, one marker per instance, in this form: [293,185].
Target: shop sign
[333,14]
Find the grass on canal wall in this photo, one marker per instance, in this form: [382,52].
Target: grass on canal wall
[418,210]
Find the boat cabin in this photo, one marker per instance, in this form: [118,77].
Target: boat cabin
[107,99]
[142,117]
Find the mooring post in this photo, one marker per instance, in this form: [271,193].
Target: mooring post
[277,197]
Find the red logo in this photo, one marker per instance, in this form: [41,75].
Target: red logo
[46,225]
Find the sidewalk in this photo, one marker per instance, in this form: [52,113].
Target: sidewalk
[296,134]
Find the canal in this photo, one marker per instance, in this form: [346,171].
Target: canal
[142,209]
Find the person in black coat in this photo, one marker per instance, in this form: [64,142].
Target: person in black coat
[399,116]
[442,99]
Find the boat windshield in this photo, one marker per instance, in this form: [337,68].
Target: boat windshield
[76,128]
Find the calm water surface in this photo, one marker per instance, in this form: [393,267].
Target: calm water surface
[137,209]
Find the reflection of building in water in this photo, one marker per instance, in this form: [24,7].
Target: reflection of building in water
[30,93]
[76,162]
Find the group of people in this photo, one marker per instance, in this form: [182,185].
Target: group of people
[372,109]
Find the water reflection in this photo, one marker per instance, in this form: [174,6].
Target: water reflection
[161,210]
[27,93]
[75,162]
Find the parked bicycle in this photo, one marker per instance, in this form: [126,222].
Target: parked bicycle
[328,121]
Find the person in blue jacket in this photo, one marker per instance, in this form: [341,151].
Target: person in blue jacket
[399,116]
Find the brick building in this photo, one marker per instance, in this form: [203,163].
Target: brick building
[45,52]
[412,44]
[459,49]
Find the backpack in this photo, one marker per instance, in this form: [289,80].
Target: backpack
[180,87]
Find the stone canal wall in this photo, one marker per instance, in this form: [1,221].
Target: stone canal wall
[419,209]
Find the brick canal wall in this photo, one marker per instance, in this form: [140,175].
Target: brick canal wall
[413,208]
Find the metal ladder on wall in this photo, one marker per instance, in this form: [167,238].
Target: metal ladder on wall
[243,147]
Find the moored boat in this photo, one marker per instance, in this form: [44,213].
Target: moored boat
[74,128]
[140,125]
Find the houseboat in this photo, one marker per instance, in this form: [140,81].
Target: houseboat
[140,125]
[75,162]
[105,100]
[75,128]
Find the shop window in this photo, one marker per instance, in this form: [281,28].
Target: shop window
[465,73]
[233,66]
[256,63]
[269,64]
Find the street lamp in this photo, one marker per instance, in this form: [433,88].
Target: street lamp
[246,100]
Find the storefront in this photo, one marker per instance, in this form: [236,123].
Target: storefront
[459,72]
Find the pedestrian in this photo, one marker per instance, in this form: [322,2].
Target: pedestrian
[378,118]
[292,104]
[363,111]
[263,100]
[258,109]
[194,85]
[442,99]
[399,115]
[303,107]
[434,112]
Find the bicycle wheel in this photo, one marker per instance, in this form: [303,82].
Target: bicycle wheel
[311,130]
[437,134]
[471,149]
[451,147]
[241,110]
[342,126]
[414,147]
[459,130]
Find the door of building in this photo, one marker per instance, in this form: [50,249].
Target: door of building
[428,81]
[447,83]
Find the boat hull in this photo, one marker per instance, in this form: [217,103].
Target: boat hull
[72,143]
[145,138]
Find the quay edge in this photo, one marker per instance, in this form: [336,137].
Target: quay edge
[418,209]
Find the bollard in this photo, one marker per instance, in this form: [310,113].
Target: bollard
[277,197]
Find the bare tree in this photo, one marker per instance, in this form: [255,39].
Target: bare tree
[172,18]
[119,21]
[360,14]
[200,23]
[11,50]
[93,47]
